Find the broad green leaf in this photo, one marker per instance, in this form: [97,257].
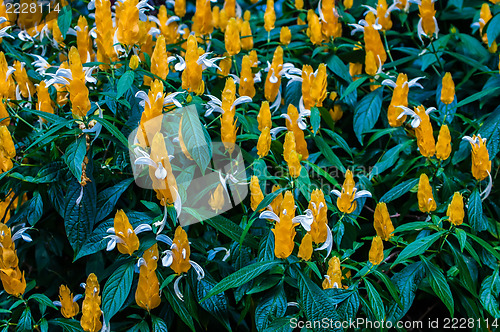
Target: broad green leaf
[465,273]
[106,199]
[353,86]
[339,68]
[215,305]
[282,324]
[493,29]
[407,282]
[389,284]
[476,96]
[339,140]
[366,113]
[75,153]
[68,325]
[42,299]
[124,83]
[328,153]
[438,283]
[399,190]
[273,305]
[485,245]
[241,277]
[116,289]
[323,173]
[25,322]
[35,208]
[79,212]
[417,247]
[491,131]
[315,120]
[375,301]
[489,294]
[179,308]
[64,22]
[39,142]
[159,324]
[389,158]
[475,212]
[194,138]
[462,237]
[231,230]
[266,248]
[413,226]
[113,130]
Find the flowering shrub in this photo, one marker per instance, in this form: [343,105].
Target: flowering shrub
[368,133]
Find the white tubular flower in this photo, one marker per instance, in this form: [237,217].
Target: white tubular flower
[328,245]
[198,269]
[415,118]
[215,104]
[114,238]
[3,31]
[21,234]
[214,251]
[305,220]
[176,288]
[269,215]
[208,63]
[275,131]
[75,298]
[171,99]
[181,65]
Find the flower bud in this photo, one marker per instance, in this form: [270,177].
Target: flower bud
[455,211]
[376,254]
[426,202]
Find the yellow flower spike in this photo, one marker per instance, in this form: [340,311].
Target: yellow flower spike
[12,278]
[448,89]
[78,91]
[355,69]
[273,79]
[333,277]
[170,30]
[276,203]
[318,86]
[424,133]
[314,28]
[269,16]
[216,200]
[299,4]
[336,113]
[371,65]
[427,21]
[426,202]
[134,62]
[399,98]
[247,16]
[292,125]
[481,163]
[104,32]
[153,108]
[228,120]
[7,84]
[372,39]
[7,150]
[128,241]
[346,202]
[166,188]
[382,222]
[83,40]
[180,8]
[331,27]
[232,38]
[128,31]
[225,65]
[24,83]
[256,195]
[455,211]
[289,145]
[294,166]
[443,145]
[203,23]
[264,116]
[348,4]
[264,142]
[284,229]
[230,8]
[147,295]
[192,80]
[306,248]
[376,254]
[159,62]
[13,281]
[223,19]
[246,36]
[307,78]
[44,103]
[180,252]
[317,205]
[216,17]
[384,18]
[91,307]
[69,307]
[285,35]
[485,16]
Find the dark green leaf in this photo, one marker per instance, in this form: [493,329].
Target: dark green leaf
[231,230]
[42,299]
[315,120]
[35,208]
[106,199]
[339,68]
[407,282]
[493,29]
[367,112]
[64,22]
[215,305]
[68,325]
[475,212]
[179,308]
[116,289]
[489,293]
[75,153]
[194,138]
[328,153]
[124,83]
[273,305]
[375,301]
[417,247]
[158,324]
[399,190]
[438,284]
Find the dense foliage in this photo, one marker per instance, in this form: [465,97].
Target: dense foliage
[369,133]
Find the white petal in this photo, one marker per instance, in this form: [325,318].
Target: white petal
[142,228]
[241,100]
[145,161]
[414,81]
[390,83]
[111,244]
[487,191]
[199,269]
[176,288]
[305,220]
[168,259]
[276,130]
[336,192]
[269,215]
[328,243]
[362,193]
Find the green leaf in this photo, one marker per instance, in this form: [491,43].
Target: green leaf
[280,325]
[493,29]
[417,247]
[353,86]
[489,293]
[413,226]
[475,212]
[339,68]
[179,308]
[315,119]
[215,305]
[315,303]
[42,299]
[476,96]
[366,113]
[389,284]
[399,190]
[328,153]
[79,217]
[491,131]
[64,21]
[68,325]
[375,301]
[25,323]
[124,83]
[485,245]
[273,305]
[340,141]
[116,289]
[266,248]
[35,208]
[438,284]
[106,199]
[231,230]
[461,236]
[194,138]
[322,173]
[241,277]
[74,155]
[389,158]
[159,324]
[113,130]
[47,134]
[407,282]
[465,273]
